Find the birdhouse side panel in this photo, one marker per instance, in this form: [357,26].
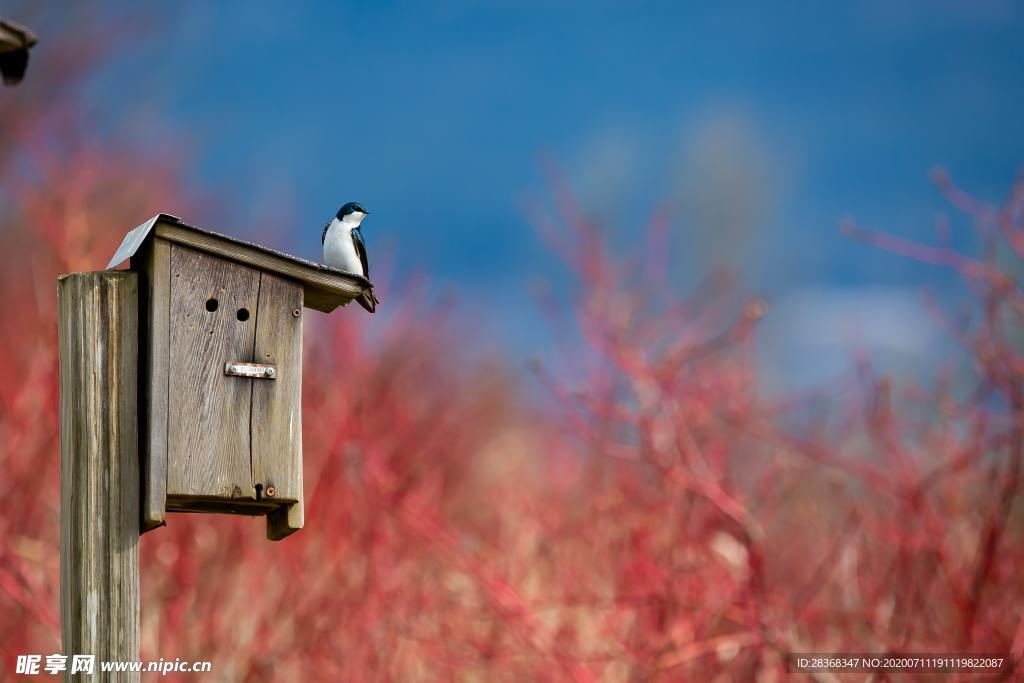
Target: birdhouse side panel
[153,263]
[212,322]
[277,404]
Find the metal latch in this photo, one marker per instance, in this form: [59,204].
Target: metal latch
[254,370]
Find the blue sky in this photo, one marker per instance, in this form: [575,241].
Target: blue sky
[763,124]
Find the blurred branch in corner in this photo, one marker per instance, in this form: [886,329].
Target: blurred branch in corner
[15,42]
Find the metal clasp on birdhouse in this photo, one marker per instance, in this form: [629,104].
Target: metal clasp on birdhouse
[254,370]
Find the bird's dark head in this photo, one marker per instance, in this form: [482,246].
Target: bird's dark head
[352,208]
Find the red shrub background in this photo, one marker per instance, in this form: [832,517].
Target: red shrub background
[656,518]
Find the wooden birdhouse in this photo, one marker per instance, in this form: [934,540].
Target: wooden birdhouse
[220,370]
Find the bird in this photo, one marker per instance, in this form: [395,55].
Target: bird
[344,248]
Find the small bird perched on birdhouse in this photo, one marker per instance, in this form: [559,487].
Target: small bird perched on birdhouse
[344,248]
[15,40]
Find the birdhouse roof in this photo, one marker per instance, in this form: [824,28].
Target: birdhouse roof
[325,288]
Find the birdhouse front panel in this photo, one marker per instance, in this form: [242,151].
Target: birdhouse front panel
[234,420]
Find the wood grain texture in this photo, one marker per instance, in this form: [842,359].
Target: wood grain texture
[277,405]
[99,563]
[212,442]
[208,438]
[324,290]
[153,265]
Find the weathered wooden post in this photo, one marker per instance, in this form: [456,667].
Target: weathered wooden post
[180,391]
[99,468]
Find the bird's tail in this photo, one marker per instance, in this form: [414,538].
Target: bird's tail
[368,300]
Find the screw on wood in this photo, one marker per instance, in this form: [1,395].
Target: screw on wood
[269,372]
[270,491]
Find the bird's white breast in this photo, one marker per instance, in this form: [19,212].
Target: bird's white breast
[339,249]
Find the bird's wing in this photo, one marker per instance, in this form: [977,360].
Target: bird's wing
[323,235]
[357,238]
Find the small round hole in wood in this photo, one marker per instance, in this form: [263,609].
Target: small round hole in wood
[211,305]
[243,314]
